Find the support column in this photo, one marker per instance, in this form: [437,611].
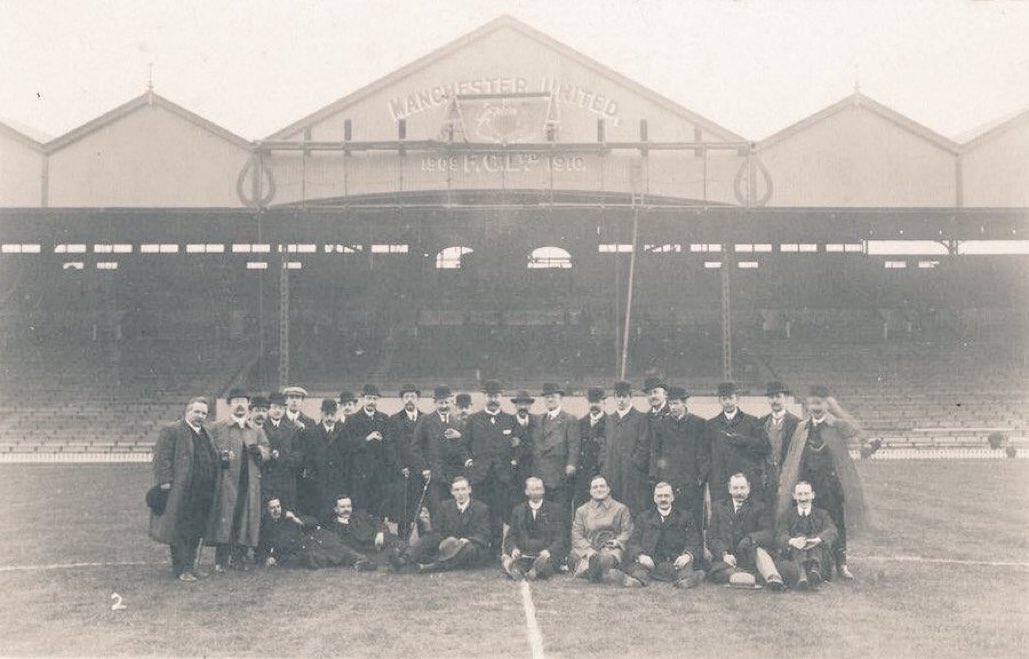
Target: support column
[726,276]
[283,323]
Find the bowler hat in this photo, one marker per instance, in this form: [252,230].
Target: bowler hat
[441,392]
[594,394]
[260,401]
[347,396]
[329,406]
[492,387]
[653,382]
[776,387]
[295,391]
[523,396]
[622,388]
[237,392]
[551,388]
[463,400]
[448,549]
[409,389]
[157,499]
[677,393]
[818,391]
[370,390]
[276,399]
[726,389]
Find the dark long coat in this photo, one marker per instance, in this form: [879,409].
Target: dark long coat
[628,458]
[173,463]
[279,475]
[491,447]
[370,461]
[227,436]
[737,446]
[727,527]
[592,456]
[400,449]
[323,472]
[679,451]
[555,446]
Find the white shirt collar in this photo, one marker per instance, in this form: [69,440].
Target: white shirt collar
[778,416]
[818,421]
[292,416]
[804,510]
[553,413]
[663,514]
[535,506]
[730,417]
[413,416]
[240,421]
[195,429]
[622,413]
[445,418]
[328,427]
[737,505]
[275,424]
[465,506]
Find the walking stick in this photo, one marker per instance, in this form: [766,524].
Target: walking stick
[418,510]
[406,518]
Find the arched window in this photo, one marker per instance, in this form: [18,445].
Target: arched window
[550,257]
[449,258]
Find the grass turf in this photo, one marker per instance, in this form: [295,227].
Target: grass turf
[968,510]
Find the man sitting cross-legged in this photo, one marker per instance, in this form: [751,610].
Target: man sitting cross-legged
[739,538]
[288,539]
[362,532]
[600,533]
[536,543]
[459,535]
[665,544]
[806,540]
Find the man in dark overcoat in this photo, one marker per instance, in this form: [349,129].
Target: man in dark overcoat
[491,436]
[370,461]
[555,450]
[406,485]
[537,542]
[679,455]
[627,461]
[592,445]
[737,445]
[665,544]
[323,473]
[279,472]
[460,534]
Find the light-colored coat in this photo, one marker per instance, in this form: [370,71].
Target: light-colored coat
[227,436]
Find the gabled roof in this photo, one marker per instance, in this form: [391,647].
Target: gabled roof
[994,129]
[857,99]
[19,136]
[146,99]
[505,21]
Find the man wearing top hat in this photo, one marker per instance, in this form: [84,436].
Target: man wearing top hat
[592,445]
[185,467]
[323,475]
[656,391]
[406,483]
[737,444]
[294,407]
[627,459]
[441,448]
[369,464]
[279,472]
[234,525]
[555,449]
[679,455]
[491,435]
[779,426]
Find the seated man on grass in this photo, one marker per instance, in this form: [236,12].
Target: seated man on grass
[362,532]
[288,539]
[739,538]
[806,540]
[459,537]
[600,533]
[665,544]
[536,543]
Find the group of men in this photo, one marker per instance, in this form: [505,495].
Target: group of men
[627,497]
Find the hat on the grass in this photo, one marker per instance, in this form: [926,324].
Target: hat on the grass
[594,394]
[237,392]
[277,399]
[463,400]
[295,391]
[653,382]
[409,389]
[448,549]
[776,387]
[347,396]
[370,390]
[551,388]
[742,580]
[441,392]
[523,396]
[818,391]
[622,388]
[157,499]
[260,401]
[492,387]
[677,393]
[726,389]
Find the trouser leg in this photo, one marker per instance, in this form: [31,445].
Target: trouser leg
[640,573]
[470,555]
[765,565]
[721,571]
[545,567]
[791,570]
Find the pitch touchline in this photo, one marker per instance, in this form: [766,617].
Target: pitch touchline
[947,561]
[532,626]
[69,566]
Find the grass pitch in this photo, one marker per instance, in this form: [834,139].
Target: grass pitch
[969,512]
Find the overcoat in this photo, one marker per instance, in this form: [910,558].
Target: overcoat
[173,463]
[228,436]
[628,458]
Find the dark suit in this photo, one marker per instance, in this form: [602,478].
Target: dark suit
[664,539]
[495,461]
[400,449]
[323,469]
[445,458]
[592,456]
[737,533]
[450,522]
[796,562]
[627,460]
[279,475]
[555,447]
[548,529]
[679,456]
[369,461]
[737,446]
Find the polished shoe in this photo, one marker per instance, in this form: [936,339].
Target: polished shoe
[532,574]
[426,568]
[691,581]
[629,581]
[365,565]
[593,572]
[220,569]
[803,584]
[844,572]
[187,576]
[815,577]
[776,585]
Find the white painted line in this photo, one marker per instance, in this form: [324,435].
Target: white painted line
[69,566]
[532,627]
[943,561]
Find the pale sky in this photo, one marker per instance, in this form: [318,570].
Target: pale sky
[753,66]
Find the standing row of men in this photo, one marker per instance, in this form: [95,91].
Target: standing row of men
[217,480]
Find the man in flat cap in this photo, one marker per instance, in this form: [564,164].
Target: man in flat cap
[738,444]
[679,455]
[295,397]
[491,433]
[779,426]
[324,449]
[369,463]
[656,391]
[279,472]
[538,539]
[185,466]
[627,460]
[406,483]
[665,544]
[234,526]
[819,454]
[592,445]
[555,449]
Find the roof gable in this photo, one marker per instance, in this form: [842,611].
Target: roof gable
[19,136]
[996,129]
[482,33]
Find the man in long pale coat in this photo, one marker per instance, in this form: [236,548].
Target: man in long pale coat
[234,525]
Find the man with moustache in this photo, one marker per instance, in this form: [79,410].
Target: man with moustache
[348,404]
[369,463]
[279,472]
[679,455]
[442,448]
[805,540]
[295,397]
[463,402]
[779,426]
[234,526]
[656,391]
[521,441]
[627,460]
[740,538]
[737,444]
[665,545]
[538,539]
[406,485]
[555,449]
[491,435]
[592,445]
[323,463]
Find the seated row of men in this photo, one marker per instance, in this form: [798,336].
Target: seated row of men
[212,481]
[606,543]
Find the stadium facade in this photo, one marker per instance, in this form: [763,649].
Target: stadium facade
[506,191]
